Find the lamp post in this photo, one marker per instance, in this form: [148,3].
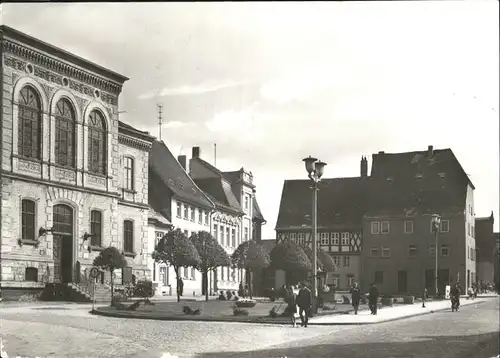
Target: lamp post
[314,168]
[436,224]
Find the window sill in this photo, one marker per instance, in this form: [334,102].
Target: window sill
[29,159]
[67,167]
[131,191]
[129,254]
[22,242]
[96,248]
[101,175]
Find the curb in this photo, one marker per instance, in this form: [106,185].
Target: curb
[98,312]
[383,321]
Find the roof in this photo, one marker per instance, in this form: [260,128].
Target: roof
[219,191]
[62,54]
[257,213]
[411,182]
[406,165]
[134,132]
[174,177]
[157,218]
[232,177]
[341,203]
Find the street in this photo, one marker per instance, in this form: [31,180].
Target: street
[69,331]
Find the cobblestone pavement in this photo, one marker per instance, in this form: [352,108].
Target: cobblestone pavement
[471,332]
[69,331]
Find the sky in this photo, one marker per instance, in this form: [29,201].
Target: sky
[271,83]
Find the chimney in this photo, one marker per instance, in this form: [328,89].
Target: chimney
[182,161]
[364,167]
[196,152]
[430,151]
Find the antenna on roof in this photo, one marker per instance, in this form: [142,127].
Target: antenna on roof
[160,120]
[215,155]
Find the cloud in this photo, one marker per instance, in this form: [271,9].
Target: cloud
[190,90]
[176,124]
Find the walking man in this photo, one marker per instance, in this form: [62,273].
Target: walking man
[355,297]
[373,299]
[304,301]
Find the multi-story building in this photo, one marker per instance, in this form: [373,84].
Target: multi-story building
[485,249]
[399,248]
[341,204]
[178,201]
[237,211]
[73,176]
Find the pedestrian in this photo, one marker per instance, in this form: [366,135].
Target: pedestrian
[355,297]
[455,293]
[304,301]
[241,291]
[373,299]
[424,297]
[291,308]
[180,286]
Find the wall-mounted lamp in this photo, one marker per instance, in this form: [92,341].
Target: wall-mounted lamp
[86,236]
[42,231]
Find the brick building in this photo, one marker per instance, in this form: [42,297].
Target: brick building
[68,166]
[237,213]
[398,242]
[485,249]
[341,204]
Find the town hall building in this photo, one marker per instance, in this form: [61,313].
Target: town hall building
[74,179]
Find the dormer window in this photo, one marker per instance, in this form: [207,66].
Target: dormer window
[441,175]
[419,176]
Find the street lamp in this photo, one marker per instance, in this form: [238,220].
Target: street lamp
[314,169]
[436,224]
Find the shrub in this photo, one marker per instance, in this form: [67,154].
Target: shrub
[246,303]
[144,288]
[240,311]
[273,312]
[329,307]
[118,297]
[189,311]
[30,297]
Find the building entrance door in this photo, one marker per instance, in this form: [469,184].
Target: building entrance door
[63,243]
[402,281]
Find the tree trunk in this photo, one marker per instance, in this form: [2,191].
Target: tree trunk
[250,284]
[204,283]
[176,269]
[112,286]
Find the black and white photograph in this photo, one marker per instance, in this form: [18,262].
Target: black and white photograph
[250,179]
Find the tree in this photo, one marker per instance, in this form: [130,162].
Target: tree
[292,259]
[212,255]
[250,256]
[176,250]
[327,261]
[110,259]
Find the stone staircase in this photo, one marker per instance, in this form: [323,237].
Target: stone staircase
[72,292]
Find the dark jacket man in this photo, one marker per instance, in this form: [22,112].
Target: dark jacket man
[373,299]
[304,301]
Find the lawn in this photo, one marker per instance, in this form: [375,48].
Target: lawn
[213,310]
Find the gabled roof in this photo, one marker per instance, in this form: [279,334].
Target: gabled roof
[341,203]
[158,219]
[257,214]
[174,177]
[219,191]
[232,177]
[412,182]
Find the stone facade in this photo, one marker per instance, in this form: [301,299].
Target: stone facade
[54,75]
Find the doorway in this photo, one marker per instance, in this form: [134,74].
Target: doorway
[63,243]
[402,281]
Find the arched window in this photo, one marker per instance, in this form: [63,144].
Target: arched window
[65,133]
[96,227]
[29,123]
[97,143]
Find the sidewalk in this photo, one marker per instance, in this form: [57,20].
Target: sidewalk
[387,314]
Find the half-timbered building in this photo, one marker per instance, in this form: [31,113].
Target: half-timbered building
[341,204]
